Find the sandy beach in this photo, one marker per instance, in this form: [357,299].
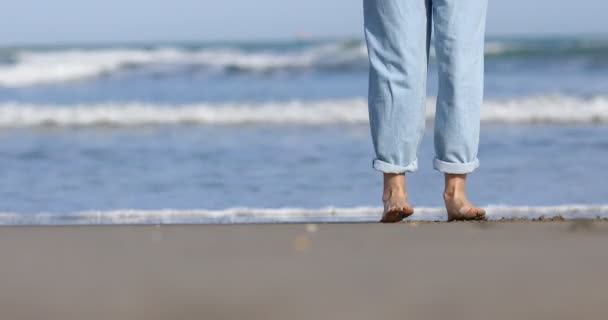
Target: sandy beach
[493,270]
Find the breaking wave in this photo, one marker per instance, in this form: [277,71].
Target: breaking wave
[27,66]
[543,109]
[47,67]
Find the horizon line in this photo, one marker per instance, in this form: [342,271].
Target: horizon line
[253,40]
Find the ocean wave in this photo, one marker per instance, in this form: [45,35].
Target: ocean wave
[544,109]
[547,48]
[48,67]
[288,215]
[26,67]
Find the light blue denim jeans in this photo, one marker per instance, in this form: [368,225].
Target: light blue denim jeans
[398,36]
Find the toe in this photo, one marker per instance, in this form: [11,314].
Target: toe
[467,211]
[396,214]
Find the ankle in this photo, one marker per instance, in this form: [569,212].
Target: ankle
[454,194]
[455,186]
[394,184]
[390,192]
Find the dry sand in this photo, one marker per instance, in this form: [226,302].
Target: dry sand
[517,270]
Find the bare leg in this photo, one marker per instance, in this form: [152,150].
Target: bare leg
[396,206]
[456,202]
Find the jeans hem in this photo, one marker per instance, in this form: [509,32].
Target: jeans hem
[455,168]
[391,168]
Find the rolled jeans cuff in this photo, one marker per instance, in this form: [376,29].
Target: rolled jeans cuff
[391,168]
[455,168]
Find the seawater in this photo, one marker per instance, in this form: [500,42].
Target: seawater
[271,125]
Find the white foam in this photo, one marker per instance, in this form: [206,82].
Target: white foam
[545,109]
[498,48]
[33,67]
[287,215]
[135,114]
[48,67]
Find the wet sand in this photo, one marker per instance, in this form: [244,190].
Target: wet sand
[494,270]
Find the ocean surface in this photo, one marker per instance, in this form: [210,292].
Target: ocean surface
[229,132]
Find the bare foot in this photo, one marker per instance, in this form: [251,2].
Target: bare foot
[458,206]
[396,206]
[460,209]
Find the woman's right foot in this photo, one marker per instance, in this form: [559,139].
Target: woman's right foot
[456,203]
[460,209]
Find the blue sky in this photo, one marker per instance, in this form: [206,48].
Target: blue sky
[61,21]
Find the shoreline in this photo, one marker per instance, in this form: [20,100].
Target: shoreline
[325,215]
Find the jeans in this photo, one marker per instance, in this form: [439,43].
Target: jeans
[398,37]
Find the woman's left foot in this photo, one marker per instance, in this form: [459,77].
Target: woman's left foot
[393,214]
[396,206]
[460,209]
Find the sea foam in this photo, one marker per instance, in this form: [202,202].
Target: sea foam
[25,67]
[48,67]
[530,110]
[288,215]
